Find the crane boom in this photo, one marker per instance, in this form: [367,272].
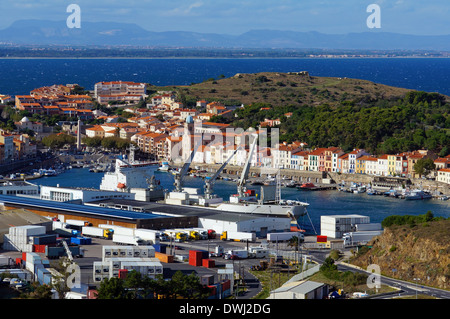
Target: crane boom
[179,177]
[246,169]
[209,183]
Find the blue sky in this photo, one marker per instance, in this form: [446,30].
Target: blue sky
[431,17]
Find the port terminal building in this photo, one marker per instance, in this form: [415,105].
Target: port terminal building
[94,214]
[149,215]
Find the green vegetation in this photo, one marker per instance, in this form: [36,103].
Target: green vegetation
[135,286]
[57,141]
[424,166]
[348,278]
[348,113]
[418,121]
[411,220]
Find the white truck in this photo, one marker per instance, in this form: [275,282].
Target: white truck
[202,233]
[237,254]
[238,236]
[98,232]
[360,238]
[258,252]
[127,240]
[218,252]
[119,230]
[149,235]
[285,236]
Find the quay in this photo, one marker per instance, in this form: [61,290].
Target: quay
[325,178]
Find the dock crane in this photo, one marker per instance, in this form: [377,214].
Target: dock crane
[209,183]
[244,175]
[180,176]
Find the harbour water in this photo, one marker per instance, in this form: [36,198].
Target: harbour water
[330,202]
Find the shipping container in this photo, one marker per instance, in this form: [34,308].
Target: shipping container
[238,236]
[81,240]
[195,257]
[119,230]
[127,240]
[164,258]
[123,273]
[208,263]
[284,236]
[44,239]
[207,280]
[4,261]
[368,227]
[127,251]
[160,248]
[97,232]
[322,239]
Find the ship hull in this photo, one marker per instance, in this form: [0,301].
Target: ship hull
[294,211]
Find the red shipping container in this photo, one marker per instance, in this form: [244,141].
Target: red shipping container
[226,285]
[213,290]
[24,256]
[322,239]
[208,263]
[18,261]
[123,273]
[195,258]
[39,248]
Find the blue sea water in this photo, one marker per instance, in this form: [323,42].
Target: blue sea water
[330,202]
[20,76]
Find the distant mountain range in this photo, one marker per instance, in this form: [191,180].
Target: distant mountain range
[40,32]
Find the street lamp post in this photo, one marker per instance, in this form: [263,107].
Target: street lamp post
[417,285]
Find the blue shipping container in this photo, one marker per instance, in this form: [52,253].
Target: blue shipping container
[44,239]
[160,248]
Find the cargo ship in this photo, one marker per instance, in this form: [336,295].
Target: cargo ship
[128,174]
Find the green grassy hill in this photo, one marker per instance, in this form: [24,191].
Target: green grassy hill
[325,111]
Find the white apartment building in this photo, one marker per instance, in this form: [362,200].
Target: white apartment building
[119,87]
[443,175]
[382,166]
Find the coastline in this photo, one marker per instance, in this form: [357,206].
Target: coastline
[220,58]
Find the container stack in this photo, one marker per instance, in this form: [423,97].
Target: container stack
[81,240]
[200,258]
[335,226]
[195,257]
[220,290]
[117,261]
[39,267]
[20,238]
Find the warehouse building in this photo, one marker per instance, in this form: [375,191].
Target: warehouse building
[83,195]
[97,215]
[208,218]
[300,290]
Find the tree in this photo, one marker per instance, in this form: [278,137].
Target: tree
[424,166]
[111,288]
[41,292]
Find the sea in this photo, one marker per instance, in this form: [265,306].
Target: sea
[20,76]
[329,202]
